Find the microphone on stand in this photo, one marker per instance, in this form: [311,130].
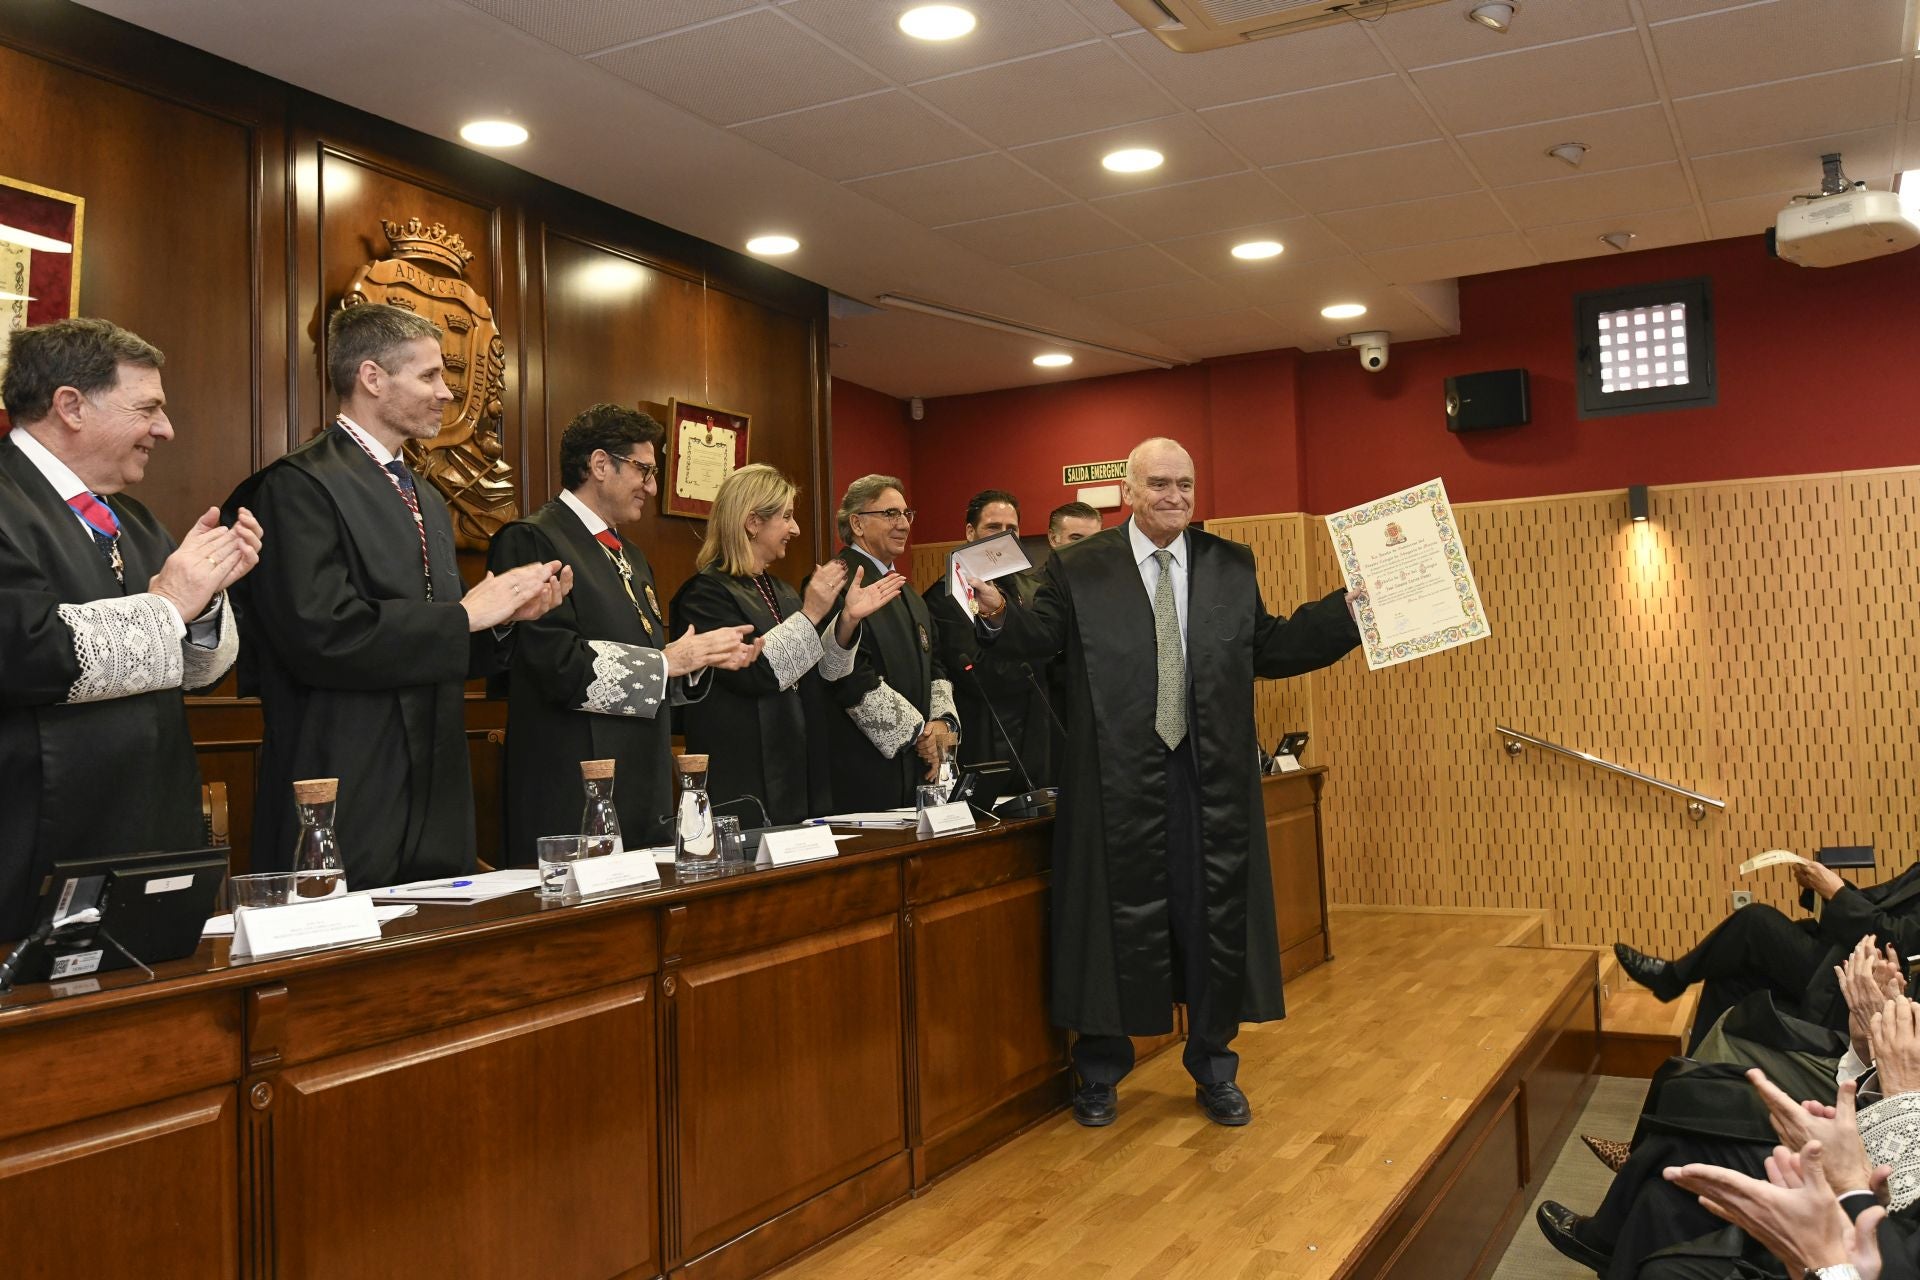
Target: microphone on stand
[1035,802]
[1045,701]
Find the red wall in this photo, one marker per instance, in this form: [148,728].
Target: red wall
[869,435]
[1815,367]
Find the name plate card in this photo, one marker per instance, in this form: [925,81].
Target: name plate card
[945,819]
[802,844]
[259,932]
[614,871]
[1286,764]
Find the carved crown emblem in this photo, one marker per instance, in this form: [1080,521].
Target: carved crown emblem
[415,240]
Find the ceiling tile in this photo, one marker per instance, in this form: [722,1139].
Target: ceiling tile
[1194,208]
[1230,334]
[1050,96]
[1423,37]
[1662,10]
[1360,116]
[960,190]
[1597,195]
[1776,41]
[1394,226]
[1453,259]
[1650,231]
[1007,29]
[1811,107]
[1747,216]
[905,355]
[1759,170]
[1316,284]
[1105,16]
[1391,310]
[1305,240]
[1580,77]
[1034,237]
[1615,140]
[739,69]
[1191,153]
[1375,177]
[1106,272]
[582,26]
[875,134]
[1168,301]
[1259,68]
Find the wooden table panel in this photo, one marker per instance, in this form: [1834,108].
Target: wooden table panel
[996,856]
[156,1187]
[521,1145]
[787,1076]
[795,907]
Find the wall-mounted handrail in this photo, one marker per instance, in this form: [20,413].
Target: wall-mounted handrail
[1697,803]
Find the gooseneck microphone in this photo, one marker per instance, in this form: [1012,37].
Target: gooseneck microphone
[1045,701]
[1035,802]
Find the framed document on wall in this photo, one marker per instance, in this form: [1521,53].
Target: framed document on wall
[39,259]
[705,445]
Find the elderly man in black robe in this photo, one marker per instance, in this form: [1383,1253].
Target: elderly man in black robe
[103,620]
[1161,888]
[365,633]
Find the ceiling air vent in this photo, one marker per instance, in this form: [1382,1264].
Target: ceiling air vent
[1194,26]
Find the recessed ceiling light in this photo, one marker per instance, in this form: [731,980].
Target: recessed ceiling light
[1569,153]
[1618,241]
[493,133]
[1343,311]
[1053,360]
[937,22]
[1133,160]
[1494,17]
[1254,250]
[772,246]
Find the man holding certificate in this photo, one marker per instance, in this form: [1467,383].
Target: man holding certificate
[1161,888]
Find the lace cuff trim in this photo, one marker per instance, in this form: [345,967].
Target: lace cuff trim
[836,663]
[1890,1130]
[887,718]
[941,703]
[628,680]
[203,667]
[792,649]
[124,647]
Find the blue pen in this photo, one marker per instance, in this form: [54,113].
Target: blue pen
[459,884]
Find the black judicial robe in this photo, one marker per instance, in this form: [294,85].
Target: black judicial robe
[114,772]
[586,653]
[760,739]
[1112,952]
[359,675]
[898,683]
[1012,684]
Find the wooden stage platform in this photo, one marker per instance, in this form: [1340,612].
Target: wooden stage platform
[1403,1113]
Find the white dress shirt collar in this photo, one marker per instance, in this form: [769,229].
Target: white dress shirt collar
[880,564]
[588,517]
[57,473]
[1143,547]
[381,454]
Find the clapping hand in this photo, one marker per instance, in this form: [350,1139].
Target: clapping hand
[727,648]
[208,560]
[1895,1036]
[823,588]
[1794,1213]
[521,594]
[1868,979]
[863,602]
[1835,1128]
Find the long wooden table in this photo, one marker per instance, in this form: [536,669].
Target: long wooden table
[703,1079]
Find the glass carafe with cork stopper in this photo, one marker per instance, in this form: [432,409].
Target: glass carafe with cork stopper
[695,852]
[600,822]
[318,871]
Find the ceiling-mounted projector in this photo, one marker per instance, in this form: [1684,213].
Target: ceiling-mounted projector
[1844,223]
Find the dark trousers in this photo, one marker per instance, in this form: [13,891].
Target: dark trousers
[1754,949]
[1106,1059]
[1643,1212]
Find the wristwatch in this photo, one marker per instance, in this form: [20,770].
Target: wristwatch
[1839,1271]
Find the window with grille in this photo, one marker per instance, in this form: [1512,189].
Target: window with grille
[1644,348]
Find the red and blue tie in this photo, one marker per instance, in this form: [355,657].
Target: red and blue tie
[104,525]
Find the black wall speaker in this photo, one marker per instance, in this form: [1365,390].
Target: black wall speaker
[1483,401]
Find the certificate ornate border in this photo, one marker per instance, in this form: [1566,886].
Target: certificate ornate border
[1433,493]
[679,411]
[50,213]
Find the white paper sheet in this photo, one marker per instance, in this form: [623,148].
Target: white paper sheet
[474,888]
[1403,552]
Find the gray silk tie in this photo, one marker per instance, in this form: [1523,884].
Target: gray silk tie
[1170,711]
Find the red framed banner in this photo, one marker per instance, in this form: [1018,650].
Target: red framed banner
[39,259]
[705,445]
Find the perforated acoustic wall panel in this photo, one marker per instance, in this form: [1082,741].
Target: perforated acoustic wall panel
[1754,641]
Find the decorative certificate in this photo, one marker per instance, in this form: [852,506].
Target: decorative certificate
[1403,552]
[40,231]
[704,447]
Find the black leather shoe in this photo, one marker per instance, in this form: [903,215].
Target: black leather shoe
[1558,1224]
[1095,1105]
[1651,972]
[1223,1103]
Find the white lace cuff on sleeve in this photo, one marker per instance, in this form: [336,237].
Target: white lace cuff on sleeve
[124,647]
[628,680]
[887,718]
[791,649]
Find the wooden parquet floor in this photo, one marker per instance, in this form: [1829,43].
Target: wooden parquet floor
[1383,1051]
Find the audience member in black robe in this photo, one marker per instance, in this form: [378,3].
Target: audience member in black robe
[361,634]
[589,680]
[103,620]
[897,713]
[1758,948]
[1013,686]
[1068,523]
[763,728]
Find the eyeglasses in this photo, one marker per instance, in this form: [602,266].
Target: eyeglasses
[892,515]
[647,470]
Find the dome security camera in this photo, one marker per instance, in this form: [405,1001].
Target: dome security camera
[1372,346]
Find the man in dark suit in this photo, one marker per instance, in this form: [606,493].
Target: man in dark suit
[1161,889]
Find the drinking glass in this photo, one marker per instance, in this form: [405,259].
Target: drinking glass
[262,889]
[557,854]
[727,840]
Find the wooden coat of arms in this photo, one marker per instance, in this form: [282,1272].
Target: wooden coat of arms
[465,461]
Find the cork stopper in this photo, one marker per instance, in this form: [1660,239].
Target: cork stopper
[692,764]
[316,791]
[596,770]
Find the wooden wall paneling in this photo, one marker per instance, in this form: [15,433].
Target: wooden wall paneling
[1882,615]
